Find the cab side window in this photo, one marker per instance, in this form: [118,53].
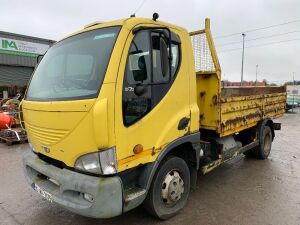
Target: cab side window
[138,69]
[138,72]
[146,81]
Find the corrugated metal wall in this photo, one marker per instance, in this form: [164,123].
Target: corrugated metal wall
[17,60]
[21,60]
[15,75]
[26,38]
[17,70]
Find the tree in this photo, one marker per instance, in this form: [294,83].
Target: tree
[266,82]
[273,84]
[292,83]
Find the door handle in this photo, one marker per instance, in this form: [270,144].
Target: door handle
[183,123]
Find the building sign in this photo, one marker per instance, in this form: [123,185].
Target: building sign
[22,48]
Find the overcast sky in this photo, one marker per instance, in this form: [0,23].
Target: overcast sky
[53,19]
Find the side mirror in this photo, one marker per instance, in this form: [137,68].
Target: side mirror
[140,73]
[164,55]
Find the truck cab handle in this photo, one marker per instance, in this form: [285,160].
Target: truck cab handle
[183,123]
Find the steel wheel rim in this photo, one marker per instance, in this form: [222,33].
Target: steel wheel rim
[172,188]
[267,143]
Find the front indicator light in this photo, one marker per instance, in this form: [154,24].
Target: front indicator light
[108,161]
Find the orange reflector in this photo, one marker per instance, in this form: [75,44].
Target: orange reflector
[138,149]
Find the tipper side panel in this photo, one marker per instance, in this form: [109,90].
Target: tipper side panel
[244,107]
[229,110]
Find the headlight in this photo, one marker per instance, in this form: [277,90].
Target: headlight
[89,163]
[103,162]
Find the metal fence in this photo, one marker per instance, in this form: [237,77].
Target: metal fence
[202,53]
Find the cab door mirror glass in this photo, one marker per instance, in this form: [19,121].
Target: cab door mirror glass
[138,66]
[164,55]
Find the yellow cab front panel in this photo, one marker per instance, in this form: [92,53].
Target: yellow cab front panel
[65,130]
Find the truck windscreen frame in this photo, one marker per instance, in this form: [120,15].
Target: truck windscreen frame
[74,68]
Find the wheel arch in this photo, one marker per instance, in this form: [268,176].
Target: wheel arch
[184,147]
[266,122]
[144,174]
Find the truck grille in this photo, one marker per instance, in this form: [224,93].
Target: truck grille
[51,161]
[45,135]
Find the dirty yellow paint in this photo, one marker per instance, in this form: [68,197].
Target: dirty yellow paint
[231,110]
[70,129]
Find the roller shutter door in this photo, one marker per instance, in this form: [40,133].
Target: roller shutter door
[15,75]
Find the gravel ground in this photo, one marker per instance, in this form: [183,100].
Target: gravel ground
[244,191]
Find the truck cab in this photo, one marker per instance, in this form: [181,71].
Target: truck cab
[114,114]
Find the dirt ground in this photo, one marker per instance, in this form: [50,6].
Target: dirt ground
[245,191]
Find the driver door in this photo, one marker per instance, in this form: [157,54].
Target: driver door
[149,103]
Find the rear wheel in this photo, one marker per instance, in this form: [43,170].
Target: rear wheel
[170,189]
[262,151]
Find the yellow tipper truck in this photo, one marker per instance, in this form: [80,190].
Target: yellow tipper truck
[127,112]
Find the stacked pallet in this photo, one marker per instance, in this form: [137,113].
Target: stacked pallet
[13,136]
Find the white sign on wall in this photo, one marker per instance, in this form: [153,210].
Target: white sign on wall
[23,48]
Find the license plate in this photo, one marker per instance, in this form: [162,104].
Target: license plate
[46,195]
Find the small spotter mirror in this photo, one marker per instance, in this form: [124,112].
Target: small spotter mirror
[164,57]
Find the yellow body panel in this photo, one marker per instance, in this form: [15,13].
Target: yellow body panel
[230,110]
[208,80]
[70,129]
[159,126]
[74,128]
[239,113]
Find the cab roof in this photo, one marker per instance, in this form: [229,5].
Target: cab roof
[129,23]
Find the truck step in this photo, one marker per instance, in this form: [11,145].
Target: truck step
[133,193]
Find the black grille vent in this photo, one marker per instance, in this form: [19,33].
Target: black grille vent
[51,161]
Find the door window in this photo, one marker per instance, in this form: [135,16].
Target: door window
[138,67]
[145,83]
[138,72]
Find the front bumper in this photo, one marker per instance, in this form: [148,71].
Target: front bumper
[69,187]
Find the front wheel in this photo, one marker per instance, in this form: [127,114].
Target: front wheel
[169,189]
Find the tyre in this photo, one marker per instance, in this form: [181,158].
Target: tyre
[249,153]
[262,151]
[169,189]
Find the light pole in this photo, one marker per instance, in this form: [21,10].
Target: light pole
[256,75]
[242,73]
[293,92]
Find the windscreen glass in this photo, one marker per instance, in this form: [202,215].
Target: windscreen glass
[73,68]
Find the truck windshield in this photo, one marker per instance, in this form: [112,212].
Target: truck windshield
[73,68]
